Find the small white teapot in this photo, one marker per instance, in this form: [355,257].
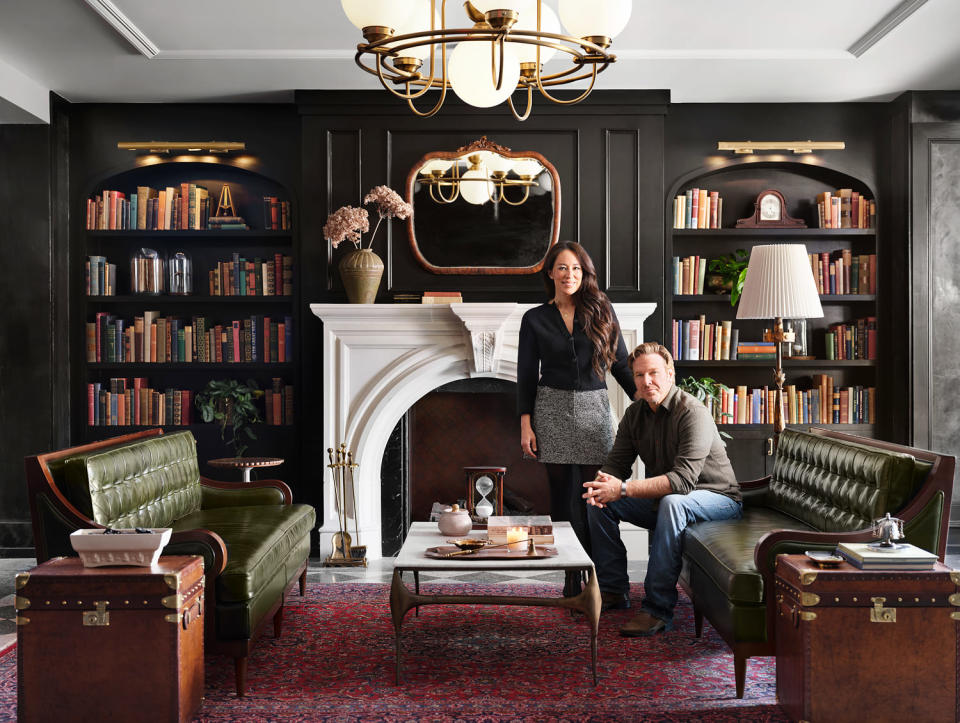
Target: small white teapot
[455,522]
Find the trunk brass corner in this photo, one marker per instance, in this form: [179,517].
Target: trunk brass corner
[807,577]
[22,579]
[20,602]
[22,621]
[174,602]
[955,616]
[173,580]
[172,617]
[807,616]
[809,599]
[955,599]
[955,577]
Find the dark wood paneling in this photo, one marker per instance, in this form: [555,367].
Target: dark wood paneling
[26,321]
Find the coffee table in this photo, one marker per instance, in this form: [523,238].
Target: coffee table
[571,558]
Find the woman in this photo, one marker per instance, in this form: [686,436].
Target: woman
[567,345]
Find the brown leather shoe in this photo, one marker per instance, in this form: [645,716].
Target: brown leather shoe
[614,601]
[644,624]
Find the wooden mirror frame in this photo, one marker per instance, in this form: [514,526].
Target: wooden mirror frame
[482,145]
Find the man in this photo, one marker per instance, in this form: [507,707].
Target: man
[689,479]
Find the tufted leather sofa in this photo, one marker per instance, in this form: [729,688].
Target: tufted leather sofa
[253,541]
[826,487]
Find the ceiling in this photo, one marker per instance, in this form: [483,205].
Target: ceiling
[717,51]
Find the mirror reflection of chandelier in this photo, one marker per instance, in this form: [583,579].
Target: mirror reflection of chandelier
[504,51]
[480,176]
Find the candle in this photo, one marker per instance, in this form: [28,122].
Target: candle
[517,537]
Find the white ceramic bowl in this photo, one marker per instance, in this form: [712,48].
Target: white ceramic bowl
[126,548]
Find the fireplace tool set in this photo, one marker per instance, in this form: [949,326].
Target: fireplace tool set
[345,553]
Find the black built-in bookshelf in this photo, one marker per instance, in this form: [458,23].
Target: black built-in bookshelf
[206,248]
[750,446]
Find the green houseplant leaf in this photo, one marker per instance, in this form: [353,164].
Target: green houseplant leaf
[706,388]
[733,269]
[230,404]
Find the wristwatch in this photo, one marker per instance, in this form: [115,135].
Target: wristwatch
[623,488]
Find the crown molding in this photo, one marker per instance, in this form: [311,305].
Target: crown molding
[126,27]
[887,24]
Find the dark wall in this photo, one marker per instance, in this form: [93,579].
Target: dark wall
[618,155]
[25,321]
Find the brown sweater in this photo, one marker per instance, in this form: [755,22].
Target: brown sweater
[679,440]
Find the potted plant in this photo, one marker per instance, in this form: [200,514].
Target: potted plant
[708,391]
[361,268]
[728,274]
[230,403]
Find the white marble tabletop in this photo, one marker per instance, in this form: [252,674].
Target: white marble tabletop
[422,535]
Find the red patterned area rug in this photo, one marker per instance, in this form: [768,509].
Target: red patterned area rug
[476,663]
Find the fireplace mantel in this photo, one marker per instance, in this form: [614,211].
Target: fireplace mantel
[379,359]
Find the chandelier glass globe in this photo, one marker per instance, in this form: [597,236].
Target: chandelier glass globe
[597,17]
[549,23]
[364,13]
[469,72]
[476,192]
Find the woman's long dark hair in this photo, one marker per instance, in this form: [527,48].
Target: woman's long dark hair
[593,305]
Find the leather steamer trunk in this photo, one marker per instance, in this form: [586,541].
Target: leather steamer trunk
[858,645]
[110,643]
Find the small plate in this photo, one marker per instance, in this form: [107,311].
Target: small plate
[470,543]
[824,559]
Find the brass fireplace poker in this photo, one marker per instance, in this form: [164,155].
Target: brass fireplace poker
[344,553]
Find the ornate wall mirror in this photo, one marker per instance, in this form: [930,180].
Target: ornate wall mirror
[483,209]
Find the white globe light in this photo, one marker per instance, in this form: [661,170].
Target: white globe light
[521,6]
[598,17]
[418,21]
[475,192]
[364,13]
[549,23]
[470,76]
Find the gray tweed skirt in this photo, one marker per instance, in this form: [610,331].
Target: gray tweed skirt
[572,427]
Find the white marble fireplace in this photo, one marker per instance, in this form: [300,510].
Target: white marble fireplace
[379,359]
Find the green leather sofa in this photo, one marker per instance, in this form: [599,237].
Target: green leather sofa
[826,487]
[253,540]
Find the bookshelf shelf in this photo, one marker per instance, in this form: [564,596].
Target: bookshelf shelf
[787,363]
[737,183]
[106,388]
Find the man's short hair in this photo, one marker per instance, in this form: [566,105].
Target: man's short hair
[651,347]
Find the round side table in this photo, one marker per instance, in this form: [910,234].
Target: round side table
[245,463]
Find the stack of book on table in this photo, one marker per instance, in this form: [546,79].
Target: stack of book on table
[539,527]
[903,557]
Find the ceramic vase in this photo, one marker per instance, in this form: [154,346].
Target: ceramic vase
[360,271]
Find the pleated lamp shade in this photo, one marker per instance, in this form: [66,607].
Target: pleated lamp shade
[779,283]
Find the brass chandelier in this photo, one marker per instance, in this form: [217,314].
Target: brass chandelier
[504,51]
[486,178]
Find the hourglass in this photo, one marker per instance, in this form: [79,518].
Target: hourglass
[485,491]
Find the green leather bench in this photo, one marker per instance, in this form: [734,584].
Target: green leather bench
[826,487]
[253,540]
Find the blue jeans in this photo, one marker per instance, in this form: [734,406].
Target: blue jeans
[666,523]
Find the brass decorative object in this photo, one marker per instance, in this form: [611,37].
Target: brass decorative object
[745,147]
[225,204]
[188,146]
[345,553]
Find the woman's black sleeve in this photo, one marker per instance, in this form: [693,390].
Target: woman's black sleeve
[621,369]
[528,366]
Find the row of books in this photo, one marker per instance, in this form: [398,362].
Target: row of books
[688,274]
[173,208]
[841,272]
[182,207]
[124,401]
[823,403]
[441,297]
[698,340]
[152,338]
[697,208]
[856,340]
[128,402]
[845,208]
[243,277]
[100,277]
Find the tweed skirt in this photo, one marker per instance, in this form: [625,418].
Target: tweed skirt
[572,427]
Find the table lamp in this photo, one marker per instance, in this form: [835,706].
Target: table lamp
[779,284]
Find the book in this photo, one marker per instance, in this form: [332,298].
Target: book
[904,556]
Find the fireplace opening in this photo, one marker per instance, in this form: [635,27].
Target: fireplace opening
[465,423]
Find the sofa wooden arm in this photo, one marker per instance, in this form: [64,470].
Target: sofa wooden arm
[199,541]
[247,493]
